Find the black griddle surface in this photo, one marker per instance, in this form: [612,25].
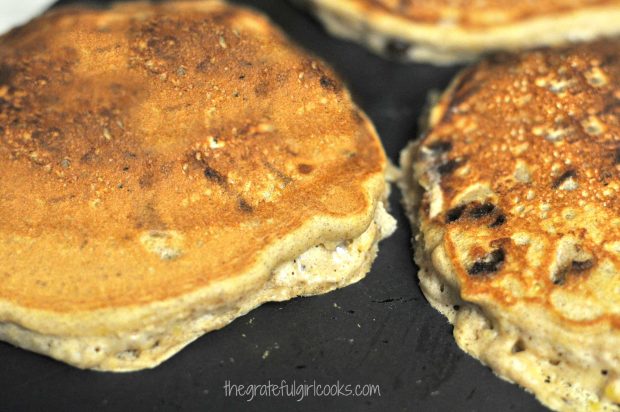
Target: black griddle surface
[378,331]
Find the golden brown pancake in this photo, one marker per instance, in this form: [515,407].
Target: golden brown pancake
[513,191]
[167,168]
[450,31]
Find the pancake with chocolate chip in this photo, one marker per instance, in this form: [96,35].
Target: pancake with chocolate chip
[449,31]
[166,168]
[513,193]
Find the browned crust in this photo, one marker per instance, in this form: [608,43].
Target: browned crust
[198,119]
[554,111]
[475,14]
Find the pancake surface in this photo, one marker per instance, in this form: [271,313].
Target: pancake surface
[514,193]
[162,165]
[449,31]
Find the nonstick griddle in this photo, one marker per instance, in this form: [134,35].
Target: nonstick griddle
[378,331]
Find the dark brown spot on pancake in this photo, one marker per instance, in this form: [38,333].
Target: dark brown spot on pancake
[166,48]
[149,218]
[440,146]
[203,65]
[611,105]
[609,59]
[6,74]
[147,180]
[88,156]
[261,88]
[480,211]
[575,267]
[449,166]
[499,220]
[571,173]
[490,263]
[281,175]
[50,139]
[518,347]
[214,175]
[455,214]
[605,177]
[305,168]
[244,206]
[328,83]
[582,266]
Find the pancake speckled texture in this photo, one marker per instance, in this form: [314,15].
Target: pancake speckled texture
[513,191]
[450,31]
[166,168]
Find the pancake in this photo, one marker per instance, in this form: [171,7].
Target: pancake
[513,192]
[167,168]
[451,31]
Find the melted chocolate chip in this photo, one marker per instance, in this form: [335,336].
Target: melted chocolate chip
[440,146]
[397,49]
[455,213]
[564,176]
[480,211]
[617,156]
[488,264]
[499,220]
[450,166]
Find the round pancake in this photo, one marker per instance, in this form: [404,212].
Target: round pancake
[449,31]
[161,165]
[513,190]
